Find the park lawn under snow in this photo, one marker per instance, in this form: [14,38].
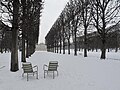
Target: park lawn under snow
[75,72]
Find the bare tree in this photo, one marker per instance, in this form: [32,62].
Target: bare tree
[69,22]
[86,15]
[12,13]
[74,21]
[68,26]
[105,13]
[62,21]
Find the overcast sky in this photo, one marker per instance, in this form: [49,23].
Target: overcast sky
[51,11]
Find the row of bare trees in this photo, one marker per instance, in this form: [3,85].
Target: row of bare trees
[80,17]
[23,16]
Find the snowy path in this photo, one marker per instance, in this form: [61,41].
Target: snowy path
[75,73]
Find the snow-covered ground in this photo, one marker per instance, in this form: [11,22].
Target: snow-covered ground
[75,72]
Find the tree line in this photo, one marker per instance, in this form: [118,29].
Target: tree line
[23,19]
[78,19]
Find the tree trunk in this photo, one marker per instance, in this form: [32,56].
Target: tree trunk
[75,44]
[85,42]
[75,39]
[103,50]
[103,36]
[14,51]
[1,48]
[63,40]
[85,52]
[103,54]
[60,44]
[27,46]
[23,50]
[116,49]
[68,46]
[79,45]
[63,45]
[23,59]
[57,47]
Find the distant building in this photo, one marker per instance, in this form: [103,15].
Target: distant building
[94,39]
[41,47]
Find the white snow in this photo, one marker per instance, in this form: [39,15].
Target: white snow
[75,72]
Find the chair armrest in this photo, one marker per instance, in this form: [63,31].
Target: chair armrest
[44,66]
[35,67]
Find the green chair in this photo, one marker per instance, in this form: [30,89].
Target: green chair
[52,67]
[28,69]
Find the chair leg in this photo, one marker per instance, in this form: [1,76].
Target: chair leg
[47,72]
[27,76]
[53,75]
[44,73]
[57,73]
[23,75]
[36,75]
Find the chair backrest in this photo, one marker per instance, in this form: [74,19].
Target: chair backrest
[53,66]
[27,67]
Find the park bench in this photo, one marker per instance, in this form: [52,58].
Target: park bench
[28,69]
[52,67]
